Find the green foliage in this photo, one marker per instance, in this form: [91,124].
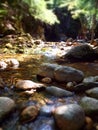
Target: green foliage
[3,11]
[39,10]
[86,10]
[54,3]
[83,8]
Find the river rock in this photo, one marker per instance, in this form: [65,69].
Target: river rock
[90,79]
[47,70]
[83,52]
[46,110]
[69,117]
[68,74]
[6,106]
[60,73]
[90,105]
[93,92]
[58,92]
[27,84]
[46,80]
[82,87]
[29,113]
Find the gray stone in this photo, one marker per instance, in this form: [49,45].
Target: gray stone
[58,92]
[83,52]
[6,106]
[46,110]
[68,74]
[90,79]
[82,87]
[69,117]
[90,105]
[93,92]
[47,70]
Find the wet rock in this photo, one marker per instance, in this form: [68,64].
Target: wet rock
[29,113]
[82,87]
[68,74]
[27,84]
[69,117]
[58,92]
[83,52]
[46,110]
[60,73]
[6,106]
[47,70]
[90,105]
[93,92]
[90,79]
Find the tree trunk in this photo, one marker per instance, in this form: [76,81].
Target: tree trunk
[93,28]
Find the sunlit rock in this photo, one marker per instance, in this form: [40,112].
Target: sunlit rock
[12,63]
[69,117]
[27,84]
[3,65]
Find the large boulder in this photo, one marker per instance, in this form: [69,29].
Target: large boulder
[69,117]
[83,52]
[68,74]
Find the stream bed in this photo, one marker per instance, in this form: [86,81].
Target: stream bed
[29,66]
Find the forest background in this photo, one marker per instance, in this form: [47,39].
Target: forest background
[51,20]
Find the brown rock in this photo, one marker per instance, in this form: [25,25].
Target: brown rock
[29,113]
